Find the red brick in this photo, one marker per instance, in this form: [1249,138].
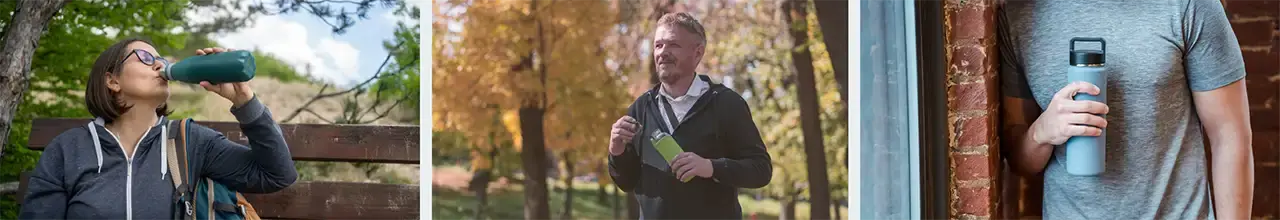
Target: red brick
[975,131]
[1265,194]
[968,59]
[973,22]
[1264,147]
[971,96]
[1254,32]
[971,167]
[1262,64]
[1264,119]
[974,201]
[1251,8]
[1260,89]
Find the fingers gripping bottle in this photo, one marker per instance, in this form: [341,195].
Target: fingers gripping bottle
[224,67]
[1086,155]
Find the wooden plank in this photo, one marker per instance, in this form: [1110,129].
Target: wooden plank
[307,142]
[22,187]
[339,200]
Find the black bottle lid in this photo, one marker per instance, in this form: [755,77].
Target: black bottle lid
[1088,57]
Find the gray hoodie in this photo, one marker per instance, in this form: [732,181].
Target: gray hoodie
[83,177]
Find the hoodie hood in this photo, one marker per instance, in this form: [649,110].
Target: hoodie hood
[111,139]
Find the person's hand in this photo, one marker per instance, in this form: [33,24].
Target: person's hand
[689,164]
[238,93]
[623,131]
[1066,117]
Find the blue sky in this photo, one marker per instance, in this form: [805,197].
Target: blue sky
[301,39]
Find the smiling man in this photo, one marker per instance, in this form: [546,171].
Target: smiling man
[722,146]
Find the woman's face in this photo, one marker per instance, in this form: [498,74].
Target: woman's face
[137,80]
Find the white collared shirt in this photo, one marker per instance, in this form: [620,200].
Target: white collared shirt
[682,104]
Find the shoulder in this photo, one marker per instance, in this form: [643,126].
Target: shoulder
[726,96]
[198,131]
[645,97]
[70,137]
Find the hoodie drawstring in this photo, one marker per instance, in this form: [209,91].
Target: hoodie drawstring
[97,147]
[164,141]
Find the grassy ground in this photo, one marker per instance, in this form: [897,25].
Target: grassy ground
[451,202]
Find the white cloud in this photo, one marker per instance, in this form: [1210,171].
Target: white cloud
[330,60]
[344,56]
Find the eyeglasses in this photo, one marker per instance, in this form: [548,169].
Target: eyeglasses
[145,57]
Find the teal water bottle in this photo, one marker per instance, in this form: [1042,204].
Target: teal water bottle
[230,66]
[1086,155]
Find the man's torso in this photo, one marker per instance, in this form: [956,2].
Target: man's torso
[1155,165]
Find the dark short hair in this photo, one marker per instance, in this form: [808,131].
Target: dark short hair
[100,100]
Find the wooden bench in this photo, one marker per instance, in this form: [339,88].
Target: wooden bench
[311,142]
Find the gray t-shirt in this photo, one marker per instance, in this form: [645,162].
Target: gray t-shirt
[1158,53]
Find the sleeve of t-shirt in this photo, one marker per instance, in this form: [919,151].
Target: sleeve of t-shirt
[1013,79]
[1212,56]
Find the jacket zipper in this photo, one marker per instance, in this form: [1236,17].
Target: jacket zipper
[128,184]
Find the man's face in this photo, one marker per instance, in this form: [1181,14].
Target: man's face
[676,52]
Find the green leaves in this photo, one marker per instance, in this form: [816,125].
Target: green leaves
[60,66]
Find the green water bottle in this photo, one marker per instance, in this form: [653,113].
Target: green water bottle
[230,66]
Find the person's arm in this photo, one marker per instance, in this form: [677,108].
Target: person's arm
[1225,115]
[1025,156]
[46,196]
[625,168]
[1018,109]
[264,166]
[1215,69]
[748,164]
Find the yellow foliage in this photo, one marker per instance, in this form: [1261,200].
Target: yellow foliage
[503,56]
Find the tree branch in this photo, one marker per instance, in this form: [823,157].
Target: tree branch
[308,110]
[376,75]
[10,188]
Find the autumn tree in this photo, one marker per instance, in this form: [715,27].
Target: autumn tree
[542,61]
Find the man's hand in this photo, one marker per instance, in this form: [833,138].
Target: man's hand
[1066,117]
[623,131]
[238,93]
[688,164]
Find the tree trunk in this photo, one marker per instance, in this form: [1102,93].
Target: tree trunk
[633,207]
[534,156]
[789,209]
[568,186]
[815,157]
[481,188]
[600,193]
[833,19]
[21,37]
[835,208]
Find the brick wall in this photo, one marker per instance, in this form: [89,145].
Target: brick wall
[972,108]
[1255,23]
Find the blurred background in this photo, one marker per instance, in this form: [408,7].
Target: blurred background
[524,92]
[320,61]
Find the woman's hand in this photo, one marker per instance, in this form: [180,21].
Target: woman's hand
[238,93]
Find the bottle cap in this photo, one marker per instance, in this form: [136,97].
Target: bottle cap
[1088,57]
[1085,57]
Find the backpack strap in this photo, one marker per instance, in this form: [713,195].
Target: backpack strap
[178,169]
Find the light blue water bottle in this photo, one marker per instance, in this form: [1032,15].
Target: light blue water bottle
[1086,155]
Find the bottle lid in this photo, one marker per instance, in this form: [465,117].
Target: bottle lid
[1087,57]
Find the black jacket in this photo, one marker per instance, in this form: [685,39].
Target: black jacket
[718,127]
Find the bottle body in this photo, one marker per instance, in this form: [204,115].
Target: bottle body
[1086,155]
[230,66]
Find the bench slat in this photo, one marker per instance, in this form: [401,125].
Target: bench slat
[339,200]
[307,142]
